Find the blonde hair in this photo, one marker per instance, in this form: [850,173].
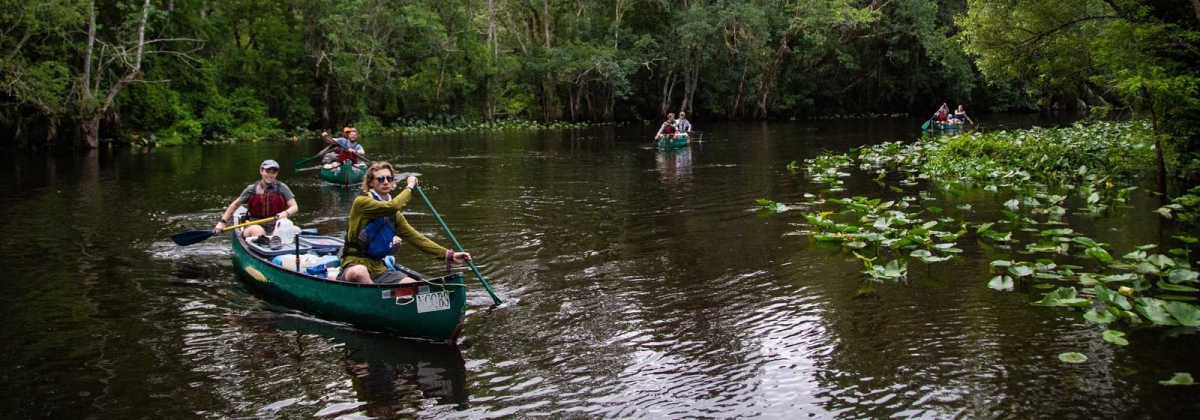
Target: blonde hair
[370,175]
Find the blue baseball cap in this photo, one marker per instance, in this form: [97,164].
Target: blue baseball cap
[269,163]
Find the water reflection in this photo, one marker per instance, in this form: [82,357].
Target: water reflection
[641,282]
[674,165]
[391,375]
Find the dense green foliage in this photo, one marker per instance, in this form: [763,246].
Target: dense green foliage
[1112,55]
[249,69]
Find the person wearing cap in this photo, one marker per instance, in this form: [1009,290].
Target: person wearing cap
[682,125]
[345,148]
[265,198]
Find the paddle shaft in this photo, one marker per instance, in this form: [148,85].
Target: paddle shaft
[487,287]
[196,236]
[299,162]
[250,223]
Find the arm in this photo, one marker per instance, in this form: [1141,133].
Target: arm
[327,139]
[220,226]
[292,209]
[372,208]
[406,231]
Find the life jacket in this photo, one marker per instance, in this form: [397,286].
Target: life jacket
[347,155]
[264,203]
[669,129]
[375,239]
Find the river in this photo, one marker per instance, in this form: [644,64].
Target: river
[638,283]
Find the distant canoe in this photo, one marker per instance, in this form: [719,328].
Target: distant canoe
[433,308]
[344,174]
[935,127]
[679,140]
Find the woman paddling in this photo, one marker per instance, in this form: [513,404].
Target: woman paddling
[376,227]
[960,114]
[265,198]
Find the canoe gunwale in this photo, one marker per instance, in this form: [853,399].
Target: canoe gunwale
[422,279]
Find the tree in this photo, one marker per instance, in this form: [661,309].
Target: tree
[1140,53]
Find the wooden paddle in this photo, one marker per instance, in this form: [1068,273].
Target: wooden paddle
[487,287]
[196,236]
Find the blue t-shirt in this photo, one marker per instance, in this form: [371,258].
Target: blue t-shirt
[346,144]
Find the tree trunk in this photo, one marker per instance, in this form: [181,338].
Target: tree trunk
[764,85]
[91,109]
[325,105]
[737,100]
[437,96]
[1158,152]
[668,89]
[1196,7]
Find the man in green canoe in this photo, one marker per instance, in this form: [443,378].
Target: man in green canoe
[376,228]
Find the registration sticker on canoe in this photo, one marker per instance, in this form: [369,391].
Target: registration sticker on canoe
[431,302]
[396,293]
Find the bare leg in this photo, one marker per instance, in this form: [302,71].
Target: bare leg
[358,274]
[254,230]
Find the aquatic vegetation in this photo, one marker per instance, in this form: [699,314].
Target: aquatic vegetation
[1072,357]
[1044,174]
[1180,378]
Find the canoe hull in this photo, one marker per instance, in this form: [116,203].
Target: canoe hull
[672,142]
[938,127]
[390,307]
[344,174]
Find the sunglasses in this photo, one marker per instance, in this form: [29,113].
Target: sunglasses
[388,178]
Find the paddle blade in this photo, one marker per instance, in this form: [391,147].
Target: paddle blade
[191,237]
[926,125]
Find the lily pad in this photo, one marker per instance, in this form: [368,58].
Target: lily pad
[1115,337]
[1175,287]
[1185,313]
[1180,378]
[1072,357]
[1002,283]
[1180,275]
[1099,317]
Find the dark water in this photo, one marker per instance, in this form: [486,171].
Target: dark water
[638,284]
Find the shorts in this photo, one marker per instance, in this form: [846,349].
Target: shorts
[386,277]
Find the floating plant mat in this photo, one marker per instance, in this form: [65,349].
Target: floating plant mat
[1044,175]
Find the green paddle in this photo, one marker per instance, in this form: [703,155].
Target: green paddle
[487,287]
[302,161]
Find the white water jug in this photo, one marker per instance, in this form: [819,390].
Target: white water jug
[286,231]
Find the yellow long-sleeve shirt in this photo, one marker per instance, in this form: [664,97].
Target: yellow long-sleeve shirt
[366,209]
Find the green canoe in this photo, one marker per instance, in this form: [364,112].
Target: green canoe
[939,127]
[344,174]
[432,309]
[679,140]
